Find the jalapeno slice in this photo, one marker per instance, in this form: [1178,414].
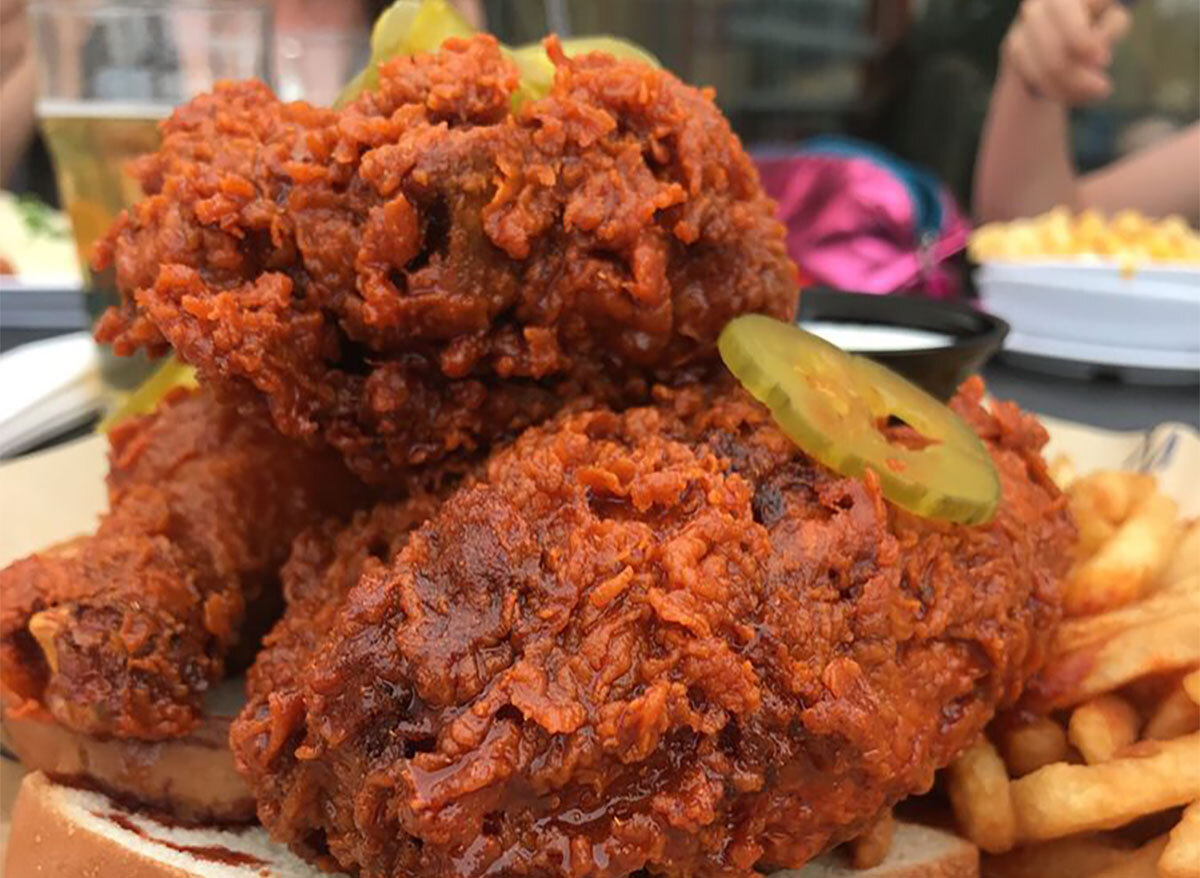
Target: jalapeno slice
[410,26]
[831,404]
[406,28]
[537,70]
[143,399]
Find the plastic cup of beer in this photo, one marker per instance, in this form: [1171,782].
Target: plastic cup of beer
[108,74]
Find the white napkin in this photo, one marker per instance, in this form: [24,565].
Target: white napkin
[47,387]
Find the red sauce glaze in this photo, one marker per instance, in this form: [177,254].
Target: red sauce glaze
[212,853]
[663,639]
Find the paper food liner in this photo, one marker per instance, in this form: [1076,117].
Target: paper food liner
[59,494]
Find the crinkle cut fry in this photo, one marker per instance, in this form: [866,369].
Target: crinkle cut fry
[663,639]
[121,632]
[424,272]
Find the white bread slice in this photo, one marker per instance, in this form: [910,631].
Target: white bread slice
[64,832]
[191,778]
[917,851]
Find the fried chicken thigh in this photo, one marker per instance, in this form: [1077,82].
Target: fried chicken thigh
[122,632]
[428,270]
[663,639]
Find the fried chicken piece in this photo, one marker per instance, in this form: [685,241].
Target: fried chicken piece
[122,632]
[427,271]
[327,561]
[663,640]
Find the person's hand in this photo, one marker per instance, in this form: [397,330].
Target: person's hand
[14,36]
[1062,48]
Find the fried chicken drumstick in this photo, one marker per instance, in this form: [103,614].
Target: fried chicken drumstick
[427,270]
[664,640]
[122,632]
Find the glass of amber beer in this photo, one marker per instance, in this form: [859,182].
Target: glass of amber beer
[108,74]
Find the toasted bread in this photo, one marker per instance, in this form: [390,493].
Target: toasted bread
[59,830]
[191,779]
[917,852]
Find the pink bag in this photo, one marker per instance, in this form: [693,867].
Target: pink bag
[861,219]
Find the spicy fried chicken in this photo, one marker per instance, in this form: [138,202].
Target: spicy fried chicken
[429,269]
[122,632]
[327,561]
[663,639]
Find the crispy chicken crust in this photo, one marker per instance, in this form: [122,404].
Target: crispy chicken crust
[122,632]
[664,640]
[425,271]
[327,561]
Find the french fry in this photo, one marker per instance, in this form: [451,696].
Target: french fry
[1164,644]
[1102,727]
[1125,567]
[1075,855]
[1181,858]
[1142,864]
[870,848]
[1147,693]
[1062,471]
[1191,685]
[1183,585]
[1074,634]
[1093,526]
[977,783]
[1063,799]
[1185,563]
[1094,532]
[1029,746]
[1126,658]
[1112,494]
[1176,714]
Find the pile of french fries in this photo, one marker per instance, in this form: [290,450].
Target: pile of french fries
[1130,238]
[1097,774]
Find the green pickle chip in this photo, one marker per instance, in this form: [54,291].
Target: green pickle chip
[149,393]
[831,404]
[406,28]
[537,70]
[410,26]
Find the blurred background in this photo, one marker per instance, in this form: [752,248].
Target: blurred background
[86,82]
[914,75]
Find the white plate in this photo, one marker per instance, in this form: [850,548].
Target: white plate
[46,387]
[1087,270]
[1086,360]
[1152,309]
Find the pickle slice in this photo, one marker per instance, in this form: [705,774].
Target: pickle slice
[143,399]
[406,28]
[537,70]
[830,402]
[410,26]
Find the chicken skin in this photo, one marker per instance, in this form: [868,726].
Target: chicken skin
[122,632]
[428,270]
[663,639]
[325,563]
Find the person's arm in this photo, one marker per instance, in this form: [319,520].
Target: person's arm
[1024,166]
[1055,55]
[1159,180]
